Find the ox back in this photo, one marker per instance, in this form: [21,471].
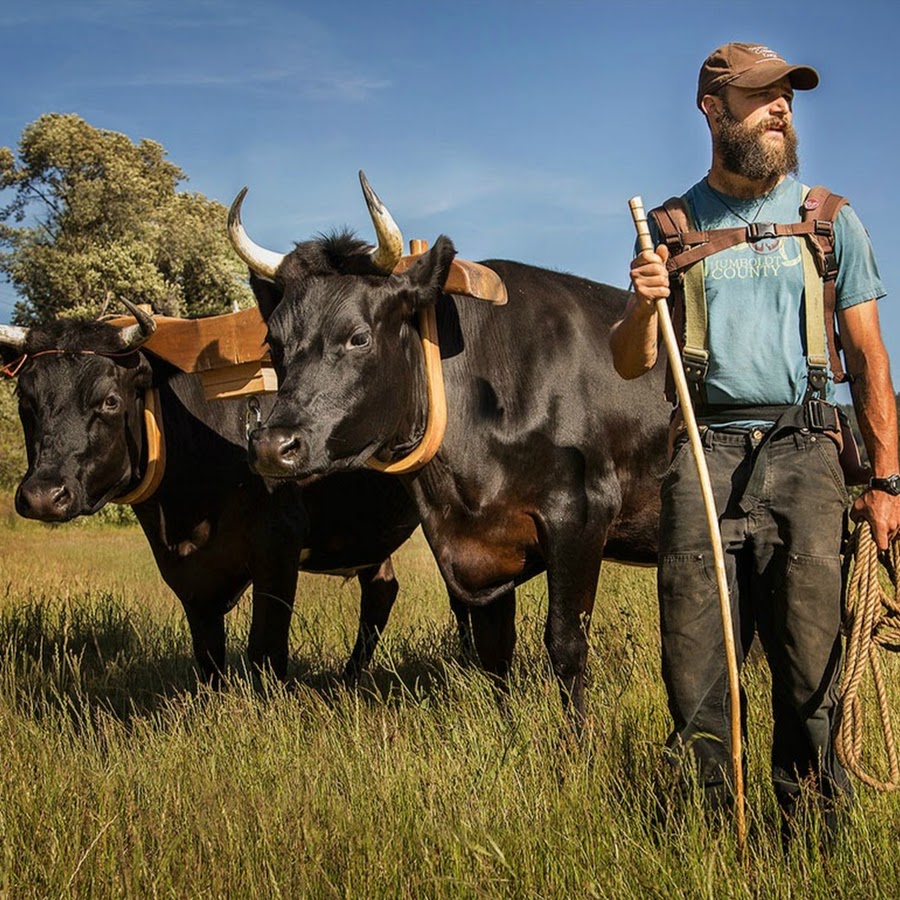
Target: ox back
[213,525]
[549,462]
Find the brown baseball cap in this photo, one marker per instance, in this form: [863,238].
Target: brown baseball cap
[750,65]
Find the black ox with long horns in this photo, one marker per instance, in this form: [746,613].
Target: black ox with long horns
[212,524]
[549,461]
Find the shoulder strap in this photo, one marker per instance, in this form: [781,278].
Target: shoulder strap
[673,221]
[688,295]
[688,247]
[820,209]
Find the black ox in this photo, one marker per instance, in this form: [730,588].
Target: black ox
[212,524]
[549,462]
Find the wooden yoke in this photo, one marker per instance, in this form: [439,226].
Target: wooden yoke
[229,352]
[436,422]
[466,278]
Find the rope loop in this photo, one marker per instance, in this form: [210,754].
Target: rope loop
[871,617]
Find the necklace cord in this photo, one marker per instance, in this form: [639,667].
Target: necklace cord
[716,195]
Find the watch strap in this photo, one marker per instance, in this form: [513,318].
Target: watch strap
[889,484]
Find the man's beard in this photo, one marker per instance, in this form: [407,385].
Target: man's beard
[745,151]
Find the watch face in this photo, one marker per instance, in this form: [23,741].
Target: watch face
[890,485]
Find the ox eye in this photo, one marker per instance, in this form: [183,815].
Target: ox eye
[359,339]
[110,403]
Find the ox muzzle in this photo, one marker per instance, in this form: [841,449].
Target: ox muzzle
[47,499]
[276,452]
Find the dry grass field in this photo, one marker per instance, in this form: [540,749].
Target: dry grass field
[121,777]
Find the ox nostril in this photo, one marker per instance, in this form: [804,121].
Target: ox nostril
[275,450]
[46,502]
[61,498]
[287,447]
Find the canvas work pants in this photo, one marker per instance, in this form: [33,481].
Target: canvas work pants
[782,538]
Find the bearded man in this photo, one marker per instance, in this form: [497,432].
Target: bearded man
[752,318]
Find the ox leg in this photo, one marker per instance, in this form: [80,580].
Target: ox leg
[572,587]
[276,540]
[378,591]
[270,627]
[208,638]
[462,613]
[494,635]
[274,588]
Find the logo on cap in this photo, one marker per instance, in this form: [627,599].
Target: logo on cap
[765,52]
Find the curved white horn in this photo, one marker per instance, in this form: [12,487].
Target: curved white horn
[263,262]
[13,336]
[390,240]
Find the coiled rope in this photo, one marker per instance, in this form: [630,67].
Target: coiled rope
[871,618]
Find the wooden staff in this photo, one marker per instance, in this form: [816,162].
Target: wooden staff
[645,241]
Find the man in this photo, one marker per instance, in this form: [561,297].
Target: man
[763,398]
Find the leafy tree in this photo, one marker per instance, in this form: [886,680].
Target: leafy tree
[12,444]
[94,218]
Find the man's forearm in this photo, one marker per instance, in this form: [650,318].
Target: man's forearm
[876,412]
[634,340]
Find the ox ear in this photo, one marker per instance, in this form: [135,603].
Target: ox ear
[268,294]
[424,281]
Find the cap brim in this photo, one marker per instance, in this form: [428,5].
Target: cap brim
[802,78]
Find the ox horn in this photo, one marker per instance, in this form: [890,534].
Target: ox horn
[263,262]
[132,336]
[13,336]
[390,240]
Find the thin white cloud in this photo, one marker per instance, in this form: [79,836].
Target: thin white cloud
[318,85]
[471,183]
[50,12]
[243,46]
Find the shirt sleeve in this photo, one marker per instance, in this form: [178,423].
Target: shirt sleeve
[858,279]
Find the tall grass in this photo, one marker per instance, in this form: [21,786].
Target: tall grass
[120,776]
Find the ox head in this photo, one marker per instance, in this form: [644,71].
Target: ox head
[342,335]
[79,390]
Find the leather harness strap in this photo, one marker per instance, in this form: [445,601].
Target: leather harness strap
[689,246]
[155,444]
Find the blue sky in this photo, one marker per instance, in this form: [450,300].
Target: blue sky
[519,129]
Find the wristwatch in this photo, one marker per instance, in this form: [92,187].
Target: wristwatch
[890,485]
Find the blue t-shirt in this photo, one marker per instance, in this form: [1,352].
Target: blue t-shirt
[754,295]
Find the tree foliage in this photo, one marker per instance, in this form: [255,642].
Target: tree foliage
[94,218]
[12,444]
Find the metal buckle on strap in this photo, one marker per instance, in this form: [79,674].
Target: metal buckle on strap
[825,228]
[821,416]
[696,363]
[816,380]
[761,231]
[675,243]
